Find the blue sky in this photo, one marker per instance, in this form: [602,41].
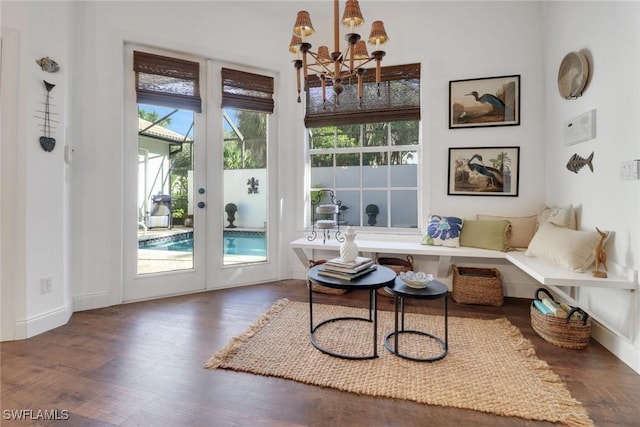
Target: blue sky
[180,121]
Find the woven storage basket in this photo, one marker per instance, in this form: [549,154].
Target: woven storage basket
[396,264]
[323,289]
[477,286]
[570,332]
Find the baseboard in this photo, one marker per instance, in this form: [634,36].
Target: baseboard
[91,301]
[622,348]
[42,323]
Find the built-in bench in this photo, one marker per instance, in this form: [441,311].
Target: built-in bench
[564,282]
[543,271]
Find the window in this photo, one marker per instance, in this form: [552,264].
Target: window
[247,102]
[369,154]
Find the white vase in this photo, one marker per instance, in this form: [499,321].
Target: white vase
[349,248]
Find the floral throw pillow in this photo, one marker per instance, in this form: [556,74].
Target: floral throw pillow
[443,231]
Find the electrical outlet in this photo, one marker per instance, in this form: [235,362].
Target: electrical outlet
[46,284]
[629,170]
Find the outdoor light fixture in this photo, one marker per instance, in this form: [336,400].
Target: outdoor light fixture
[337,68]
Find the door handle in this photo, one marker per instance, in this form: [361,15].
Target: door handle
[201,205]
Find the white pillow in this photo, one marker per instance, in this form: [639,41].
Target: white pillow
[561,216]
[572,249]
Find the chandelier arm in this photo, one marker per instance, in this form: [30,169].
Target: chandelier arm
[362,64]
[320,68]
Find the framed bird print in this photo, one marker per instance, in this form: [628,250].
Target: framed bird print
[484,171]
[489,101]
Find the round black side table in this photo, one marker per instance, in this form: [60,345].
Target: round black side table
[378,278]
[400,291]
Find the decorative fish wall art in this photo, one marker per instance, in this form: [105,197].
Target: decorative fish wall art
[576,163]
[46,141]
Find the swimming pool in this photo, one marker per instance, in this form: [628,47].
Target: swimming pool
[235,243]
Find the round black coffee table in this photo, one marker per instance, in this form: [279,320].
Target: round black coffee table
[381,277]
[400,291]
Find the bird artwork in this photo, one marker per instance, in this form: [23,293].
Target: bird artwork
[492,100]
[495,178]
[577,162]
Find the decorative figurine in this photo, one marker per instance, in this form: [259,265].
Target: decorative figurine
[601,255]
[231,209]
[349,248]
[47,64]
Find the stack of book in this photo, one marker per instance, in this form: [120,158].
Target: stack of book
[339,269]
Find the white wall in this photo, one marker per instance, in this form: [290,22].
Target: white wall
[610,33]
[75,213]
[453,41]
[40,175]
[252,208]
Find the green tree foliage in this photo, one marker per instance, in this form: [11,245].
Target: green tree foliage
[371,135]
[247,148]
[152,116]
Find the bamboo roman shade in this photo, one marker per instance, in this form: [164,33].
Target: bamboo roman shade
[399,99]
[247,91]
[166,81]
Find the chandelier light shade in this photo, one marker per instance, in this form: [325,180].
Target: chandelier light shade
[352,16]
[336,68]
[303,26]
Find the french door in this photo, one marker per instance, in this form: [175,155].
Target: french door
[196,193]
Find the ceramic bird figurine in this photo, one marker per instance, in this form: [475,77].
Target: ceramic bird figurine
[47,64]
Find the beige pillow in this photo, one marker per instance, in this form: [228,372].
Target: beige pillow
[522,228]
[561,216]
[572,249]
[486,234]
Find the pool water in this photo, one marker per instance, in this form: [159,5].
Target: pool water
[236,243]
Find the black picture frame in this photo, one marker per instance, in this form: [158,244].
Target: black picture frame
[484,171]
[496,102]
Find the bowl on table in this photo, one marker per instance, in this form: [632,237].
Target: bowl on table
[416,279]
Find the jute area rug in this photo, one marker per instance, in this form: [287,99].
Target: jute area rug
[490,366]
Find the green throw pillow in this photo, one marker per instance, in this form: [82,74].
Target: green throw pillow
[486,234]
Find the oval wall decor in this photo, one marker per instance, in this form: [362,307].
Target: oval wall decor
[573,75]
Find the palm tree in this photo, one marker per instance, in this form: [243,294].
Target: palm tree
[152,116]
[501,161]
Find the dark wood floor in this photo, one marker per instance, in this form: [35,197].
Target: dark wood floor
[141,364]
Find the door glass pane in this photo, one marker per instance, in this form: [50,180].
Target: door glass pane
[245,187]
[165,189]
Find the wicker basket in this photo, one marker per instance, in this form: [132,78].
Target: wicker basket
[323,289]
[396,264]
[477,286]
[570,332]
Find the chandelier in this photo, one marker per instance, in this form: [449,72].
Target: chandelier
[337,68]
